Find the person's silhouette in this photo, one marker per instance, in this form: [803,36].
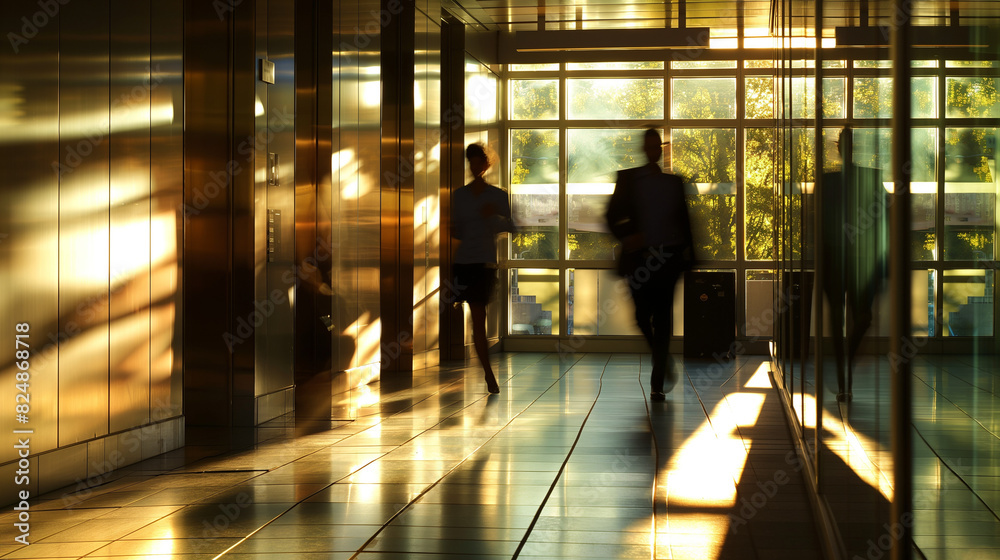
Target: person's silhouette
[480,212]
[648,214]
[854,206]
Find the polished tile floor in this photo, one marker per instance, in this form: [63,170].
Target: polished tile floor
[956,457]
[570,461]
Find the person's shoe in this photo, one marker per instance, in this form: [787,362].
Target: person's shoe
[491,385]
[658,396]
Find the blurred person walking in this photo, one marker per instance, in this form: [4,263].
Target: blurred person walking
[479,213]
[647,213]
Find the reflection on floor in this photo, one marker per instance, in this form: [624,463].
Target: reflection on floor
[956,457]
[571,460]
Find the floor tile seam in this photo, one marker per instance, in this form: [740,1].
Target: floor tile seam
[458,464]
[973,388]
[609,358]
[945,367]
[961,478]
[293,505]
[960,409]
[431,395]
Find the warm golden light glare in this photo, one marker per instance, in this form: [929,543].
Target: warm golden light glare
[723,43]
[129,251]
[164,546]
[849,445]
[371,93]
[341,159]
[761,378]
[706,467]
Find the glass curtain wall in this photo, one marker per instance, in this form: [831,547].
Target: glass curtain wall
[788,157]
[834,188]
[573,125]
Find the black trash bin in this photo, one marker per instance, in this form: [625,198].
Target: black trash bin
[709,314]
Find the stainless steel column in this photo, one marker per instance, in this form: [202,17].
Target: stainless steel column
[397,183]
[901,344]
[219,234]
[452,175]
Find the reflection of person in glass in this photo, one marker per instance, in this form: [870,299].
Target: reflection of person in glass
[853,244]
[479,212]
[648,214]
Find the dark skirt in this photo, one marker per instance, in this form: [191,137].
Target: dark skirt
[473,282]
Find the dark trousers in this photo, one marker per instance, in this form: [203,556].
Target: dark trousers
[652,282]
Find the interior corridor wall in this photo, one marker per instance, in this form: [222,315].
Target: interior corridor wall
[91,236]
[354,192]
[427,145]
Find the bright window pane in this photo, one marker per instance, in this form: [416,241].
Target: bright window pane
[534,99]
[922,311]
[834,98]
[534,301]
[594,158]
[971,64]
[706,159]
[646,65]
[760,97]
[534,67]
[923,193]
[703,98]
[873,97]
[800,98]
[534,188]
[968,303]
[759,198]
[973,97]
[970,194]
[608,98]
[702,64]
[873,64]
[598,303]
[924,97]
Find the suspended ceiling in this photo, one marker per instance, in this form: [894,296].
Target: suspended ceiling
[724,17]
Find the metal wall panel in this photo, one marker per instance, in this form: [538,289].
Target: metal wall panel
[279,133]
[207,293]
[258,162]
[84,222]
[129,251]
[346,129]
[397,170]
[166,96]
[243,73]
[95,255]
[452,325]
[426,216]
[29,205]
[418,251]
[369,196]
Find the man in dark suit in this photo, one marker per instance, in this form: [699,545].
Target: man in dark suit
[648,215]
[853,250]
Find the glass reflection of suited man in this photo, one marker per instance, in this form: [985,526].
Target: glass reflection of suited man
[853,249]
